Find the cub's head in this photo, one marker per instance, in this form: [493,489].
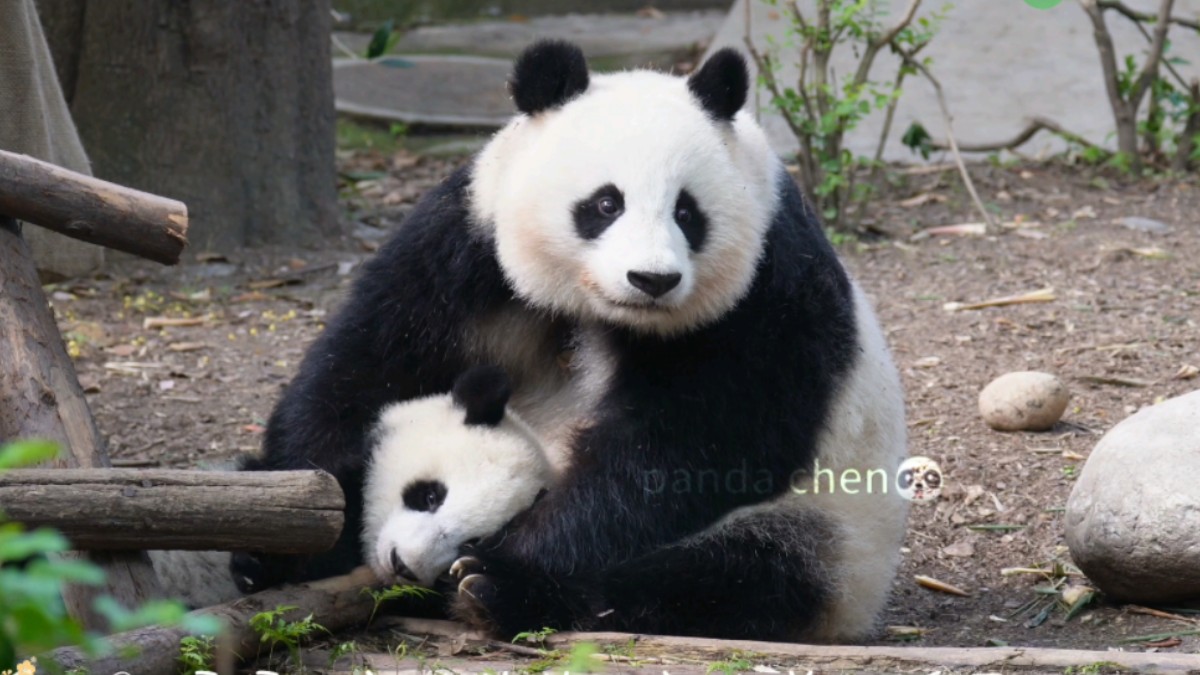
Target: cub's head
[446,470]
[636,198]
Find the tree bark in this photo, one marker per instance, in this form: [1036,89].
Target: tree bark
[161,509]
[92,210]
[40,397]
[226,106]
[335,603]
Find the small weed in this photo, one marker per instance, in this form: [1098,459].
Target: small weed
[272,628]
[738,662]
[536,637]
[195,653]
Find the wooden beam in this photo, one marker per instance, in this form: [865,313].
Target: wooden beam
[40,397]
[164,509]
[698,652]
[92,210]
[337,603]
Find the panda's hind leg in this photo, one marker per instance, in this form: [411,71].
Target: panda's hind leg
[761,575]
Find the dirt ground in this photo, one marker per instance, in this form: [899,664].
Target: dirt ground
[1121,325]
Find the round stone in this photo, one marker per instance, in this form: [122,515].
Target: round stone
[1133,517]
[1023,401]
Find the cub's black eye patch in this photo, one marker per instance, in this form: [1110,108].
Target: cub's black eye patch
[424,495]
[691,220]
[596,212]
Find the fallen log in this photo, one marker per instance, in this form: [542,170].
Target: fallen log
[337,603]
[163,509]
[701,653]
[92,210]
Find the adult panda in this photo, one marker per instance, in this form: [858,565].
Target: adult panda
[632,253]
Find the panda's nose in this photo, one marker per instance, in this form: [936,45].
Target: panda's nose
[399,568]
[654,284]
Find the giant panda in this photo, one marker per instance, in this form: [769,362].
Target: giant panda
[444,471]
[680,334]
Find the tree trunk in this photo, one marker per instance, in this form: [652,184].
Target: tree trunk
[226,106]
[40,397]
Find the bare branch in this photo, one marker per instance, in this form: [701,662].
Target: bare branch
[1123,113]
[873,47]
[949,120]
[1035,125]
[1150,69]
[1145,17]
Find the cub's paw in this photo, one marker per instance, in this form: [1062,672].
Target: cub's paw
[254,572]
[466,566]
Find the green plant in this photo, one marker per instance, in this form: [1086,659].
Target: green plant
[537,637]
[33,573]
[397,592]
[821,108]
[275,630]
[581,660]
[738,662]
[196,653]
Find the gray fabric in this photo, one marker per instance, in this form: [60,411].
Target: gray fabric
[35,120]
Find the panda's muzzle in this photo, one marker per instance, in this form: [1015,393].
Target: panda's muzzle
[399,568]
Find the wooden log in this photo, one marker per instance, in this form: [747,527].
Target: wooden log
[40,397]
[92,210]
[164,509]
[336,603]
[699,653]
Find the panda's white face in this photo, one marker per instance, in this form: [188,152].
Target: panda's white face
[629,204]
[435,483]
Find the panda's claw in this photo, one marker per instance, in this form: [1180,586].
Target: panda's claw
[465,567]
[478,588]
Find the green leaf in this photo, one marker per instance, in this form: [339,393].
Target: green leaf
[379,41]
[918,140]
[27,453]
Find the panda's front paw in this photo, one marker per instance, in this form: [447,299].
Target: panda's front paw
[253,572]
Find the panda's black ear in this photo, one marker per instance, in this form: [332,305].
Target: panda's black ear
[483,391]
[722,84]
[546,75]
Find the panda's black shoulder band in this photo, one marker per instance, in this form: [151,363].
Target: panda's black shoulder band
[483,391]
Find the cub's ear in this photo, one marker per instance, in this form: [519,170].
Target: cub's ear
[722,84]
[483,391]
[546,75]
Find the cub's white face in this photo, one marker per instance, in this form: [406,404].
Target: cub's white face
[629,204]
[435,484]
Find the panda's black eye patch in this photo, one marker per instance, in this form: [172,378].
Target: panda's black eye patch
[691,220]
[596,212]
[424,495]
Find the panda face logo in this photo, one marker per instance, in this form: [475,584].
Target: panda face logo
[919,480]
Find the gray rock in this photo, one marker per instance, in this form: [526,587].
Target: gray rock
[1149,225]
[1133,518]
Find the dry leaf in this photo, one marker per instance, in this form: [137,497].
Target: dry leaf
[186,346]
[123,351]
[940,586]
[1040,295]
[1114,380]
[964,230]
[1031,234]
[1186,372]
[155,322]
[923,198]
[927,362]
[960,549]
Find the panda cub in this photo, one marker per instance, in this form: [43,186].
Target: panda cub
[446,471]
